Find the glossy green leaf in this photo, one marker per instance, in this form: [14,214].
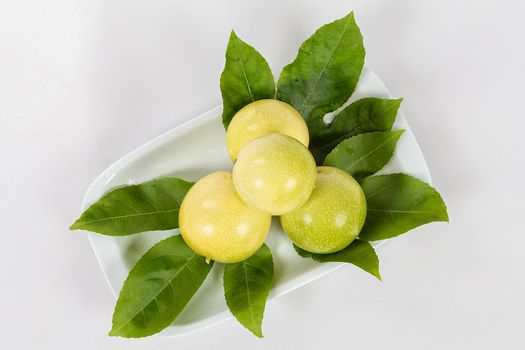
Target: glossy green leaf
[246,288]
[157,288]
[246,78]
[397,203]
[150,206]
[358,253]
[325,72]
[362,116]
[365,154]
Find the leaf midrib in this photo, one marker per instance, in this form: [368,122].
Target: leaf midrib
[82,224]
[252,316]
[401,211]
[154,298]
[351,133]
[372,151]
[309,96]
[243,70]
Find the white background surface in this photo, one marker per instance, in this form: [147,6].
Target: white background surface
[84,82]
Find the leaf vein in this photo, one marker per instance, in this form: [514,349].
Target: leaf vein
[243,70]
[309,96]
[128,216]
[154,298]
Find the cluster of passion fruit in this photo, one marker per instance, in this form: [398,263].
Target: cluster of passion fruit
[226,216]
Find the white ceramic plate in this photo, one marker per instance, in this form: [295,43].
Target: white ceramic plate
[191,151]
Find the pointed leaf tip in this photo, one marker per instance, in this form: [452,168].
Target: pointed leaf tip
[365,154]
[362,116]
[158,288]
[149,206]
[246,287]
[398,203]
[334,50]
[358,253]
[246,78]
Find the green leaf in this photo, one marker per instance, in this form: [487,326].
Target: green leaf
[358,253]
[157,288]
[325,72]
[397,203]
[150,206]
[364,154]
[362,116]
[246,78]
[246,287]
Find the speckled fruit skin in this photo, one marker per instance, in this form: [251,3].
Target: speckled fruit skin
[215,222]
[333,216]
[274,173]
[261,118]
